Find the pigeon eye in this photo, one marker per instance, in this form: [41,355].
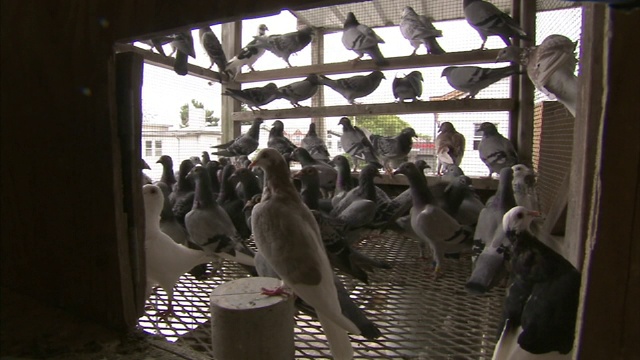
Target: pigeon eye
[519,215]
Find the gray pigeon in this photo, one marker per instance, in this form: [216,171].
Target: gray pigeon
[278,141]
[315,145]
[362,40]
[157,42]
[472,79]
[295,251]
[344,182]
[449,147]
[212,46]
[286,44]
[327,175]
[393,150]
[524,187]
[165,260]
[182,45]
[496,151]
[248,55]
[419,30]
[354,87]
[551,67]
[244,144]
[255,97]
[489,240]
[488,20]
[300,90]
[355,143]
[408,87]
[210,227]
[168,175]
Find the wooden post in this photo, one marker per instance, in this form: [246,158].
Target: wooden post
[524,131]
[317,51]
[231,44]
[245,324]
[514,92]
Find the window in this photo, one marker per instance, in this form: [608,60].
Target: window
[148,148]
[158,147]
[477,135]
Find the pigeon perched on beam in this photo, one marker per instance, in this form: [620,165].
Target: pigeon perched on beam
[182,45]
[496,151]
[315,145]
[356,143]
[449,147]
[408,87]
[354,87]
[551,67]
[213,48]
[540,310]
[488,20]
[472,79]
[287,235]
[300,90]
[362,40]
[419,30]
[244,144]
[256,96]
[248,55]
[157,43]
[286,44]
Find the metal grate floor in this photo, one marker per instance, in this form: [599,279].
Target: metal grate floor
[419,317]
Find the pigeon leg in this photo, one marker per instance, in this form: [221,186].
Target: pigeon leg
[288,64]
[356,60]
[251,68]
[279,291]
[484,41]
[415,50]
[166,314]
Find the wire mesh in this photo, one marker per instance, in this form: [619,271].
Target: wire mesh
[419,317]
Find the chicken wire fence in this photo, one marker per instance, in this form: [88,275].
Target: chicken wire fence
[419,317]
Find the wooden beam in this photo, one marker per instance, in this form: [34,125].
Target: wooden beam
[524,134]
[317,51]
[465,105]
[396,63]
[167,62]
[231,43]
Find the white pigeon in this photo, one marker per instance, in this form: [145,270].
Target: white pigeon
[551,67]
[248,55]
[287,235]
[524,187]
[166,260]
[449,147]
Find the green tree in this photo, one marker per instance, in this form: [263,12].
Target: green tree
[197,104]
[209,119]
[184,116]
[385,125]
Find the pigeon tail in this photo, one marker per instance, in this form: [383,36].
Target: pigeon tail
[377,56]
[339,341]
[433,47]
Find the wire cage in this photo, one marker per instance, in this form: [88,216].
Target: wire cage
[420,318]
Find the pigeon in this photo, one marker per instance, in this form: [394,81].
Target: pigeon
[472,79]
[488,20]
[355,143]
[210,227]
[495,150]
[419,30]
[309,178]
[315,145]
[327,174]
[524,187]
[213,167]
[205,158]
[354,87]
[540,310]
[393,150]
[362,40]
[248,55]
[157,42]
[213,48]
[300,90]
[278,141]
[250,185]
[431,222]
[286,44]
[551,67]
[449,147]
[182,45]
[229,200]
[489,240]
[366,191]
[287,235]
[168,176]
[344,181]
[244,144]
[145,178]
[408,87]
[255,97]
[166,261]
[181,198]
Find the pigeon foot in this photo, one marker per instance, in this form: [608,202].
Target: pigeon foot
[279,291]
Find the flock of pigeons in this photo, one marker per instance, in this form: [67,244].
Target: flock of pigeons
[550,65]
[305,223]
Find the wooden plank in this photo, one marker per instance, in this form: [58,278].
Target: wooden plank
[609,314]
[463,105]
[317,51]
[524,134]
[231,43]
[395,63]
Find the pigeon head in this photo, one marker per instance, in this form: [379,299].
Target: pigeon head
[271,86]
[196,171]
[446,71]
[406,169]
[165,160]
[306,174]
[510,53]
[268,159]
[186,166]
[520,170]
[408,10]
[416,74]
[409,132]
[377,75]
[313,79]
[312,128]
[339,161]
[144,165]
[517,220]
[262,29]
[351,21]
[421,165]
[370,171]
[488,128]
[153,200]
[344,121]
[446,127]
[300,154]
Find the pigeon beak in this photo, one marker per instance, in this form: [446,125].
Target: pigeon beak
[252,165]
[395,173]
[534,213]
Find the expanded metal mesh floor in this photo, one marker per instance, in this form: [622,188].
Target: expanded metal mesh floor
[419,317]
